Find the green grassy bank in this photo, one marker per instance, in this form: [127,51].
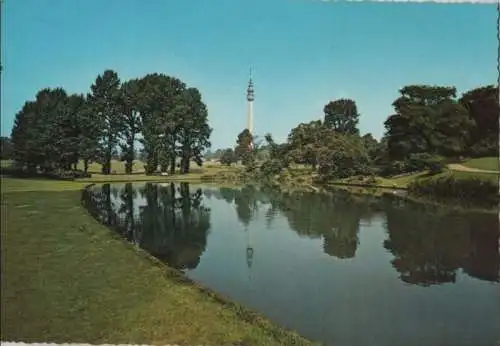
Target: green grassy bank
[484,163]
[67,278]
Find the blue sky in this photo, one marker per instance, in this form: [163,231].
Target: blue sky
[303,52]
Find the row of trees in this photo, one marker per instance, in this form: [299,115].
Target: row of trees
[429,125]
[56,130]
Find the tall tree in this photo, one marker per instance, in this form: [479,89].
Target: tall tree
[372,145]
[483,107]
[54,129]
[7,150]
[193,130]
[305,140]
[160,108]
[428,119]
[27,152]
[105,102]
[342,116]
[75,127]
[244,147]
[129,93]
[89,134]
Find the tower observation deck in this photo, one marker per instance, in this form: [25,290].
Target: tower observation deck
[250,99]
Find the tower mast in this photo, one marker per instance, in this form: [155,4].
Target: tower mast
[250,98]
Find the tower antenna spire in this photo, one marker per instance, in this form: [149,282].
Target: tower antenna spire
[250,99]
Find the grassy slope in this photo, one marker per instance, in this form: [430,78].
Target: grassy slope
[485,163]
[65,278]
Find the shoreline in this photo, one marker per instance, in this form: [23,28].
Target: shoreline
[91,229]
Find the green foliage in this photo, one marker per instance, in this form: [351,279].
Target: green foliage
[47,132]
[56,130]
[483,107]
[424,161]
[342,116]
[193,130]
[343,156]
[105,102]
[414,163]
[305,141]
[271,167]
[129,104]
[449,187]
[228,157]
[244,150]
[428,119]
[6,149]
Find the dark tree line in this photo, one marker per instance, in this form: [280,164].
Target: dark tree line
[57,130]
[430,119]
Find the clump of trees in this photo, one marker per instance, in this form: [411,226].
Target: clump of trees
[57,130]
[331,148]
[431,120]
[430,126]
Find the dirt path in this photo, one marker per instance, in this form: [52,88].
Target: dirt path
[462,168]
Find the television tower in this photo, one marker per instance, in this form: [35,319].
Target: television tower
[250,98]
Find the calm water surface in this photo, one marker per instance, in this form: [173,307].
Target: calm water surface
[339,270]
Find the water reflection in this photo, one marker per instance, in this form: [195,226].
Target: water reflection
[381,256]
[430,244]
[171,223]
[334,218]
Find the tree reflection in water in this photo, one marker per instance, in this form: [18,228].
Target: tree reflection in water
[431,244]
[335,218]
[172,225]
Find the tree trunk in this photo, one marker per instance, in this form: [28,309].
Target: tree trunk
[172,165]
[130,155]
[185,165]
[163,167]
[85,165]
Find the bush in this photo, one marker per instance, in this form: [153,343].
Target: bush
[228,157]
[448,187]
[424,161]
[393,168]
[415,163]
[271,168]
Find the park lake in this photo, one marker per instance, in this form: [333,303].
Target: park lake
[338,269]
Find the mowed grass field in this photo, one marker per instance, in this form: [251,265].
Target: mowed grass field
[67,278]
[138,174]
[484,163]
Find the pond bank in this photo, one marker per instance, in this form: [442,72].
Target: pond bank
[66,278]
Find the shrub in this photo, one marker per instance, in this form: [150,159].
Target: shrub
[448,187]
[393,168]
[415,163]
[228,157]
[271,168]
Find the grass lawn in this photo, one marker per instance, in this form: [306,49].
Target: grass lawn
[485,163]
[66,278]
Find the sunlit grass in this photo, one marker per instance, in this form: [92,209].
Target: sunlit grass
[66,278]
[484,163]
[23,184]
